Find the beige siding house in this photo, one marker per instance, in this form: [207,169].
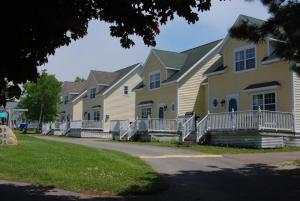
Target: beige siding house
[172,82]
[70,90]
[108,96]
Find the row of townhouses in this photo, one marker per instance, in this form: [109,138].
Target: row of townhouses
[210,82]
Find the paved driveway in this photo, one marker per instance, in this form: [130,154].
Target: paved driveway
[198,176]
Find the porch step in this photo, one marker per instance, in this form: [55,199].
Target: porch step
[191,137]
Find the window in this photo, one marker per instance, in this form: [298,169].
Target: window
[245,59]
[146,112]
[155,80]
[88,116]
[92,93]
[215,102]
[266,101]
[173,107]
[125,90]
[97,115]
[66,99]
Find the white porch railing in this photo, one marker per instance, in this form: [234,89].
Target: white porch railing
[86,124]
[188,127]
[246,120]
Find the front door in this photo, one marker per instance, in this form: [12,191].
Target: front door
[233,102]
[161,112]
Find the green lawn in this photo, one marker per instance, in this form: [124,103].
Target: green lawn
[76,168]
[297,162]
[213,149]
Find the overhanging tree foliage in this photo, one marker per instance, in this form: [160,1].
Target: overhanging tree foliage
[283,25]
[42,98]
[32,30]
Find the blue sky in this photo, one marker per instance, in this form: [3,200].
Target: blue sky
[99,51]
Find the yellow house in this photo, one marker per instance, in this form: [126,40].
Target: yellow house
[249,76]
[170,85]
[108,96]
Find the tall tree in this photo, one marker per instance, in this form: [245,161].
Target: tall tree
[283,25]
[32,29]
[79,79]
[42,98]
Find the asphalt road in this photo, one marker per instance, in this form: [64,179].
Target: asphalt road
[197,176]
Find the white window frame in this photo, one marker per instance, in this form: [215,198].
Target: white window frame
[126,90]
[153,73]
[94,96]
[146,108]
[96,114]
[244,48]
[173,105]
[66,100]
[263,93]
[212,102]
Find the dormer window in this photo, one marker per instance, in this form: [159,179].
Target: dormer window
[92,93]
[245,59]
[66,100]
[154,80]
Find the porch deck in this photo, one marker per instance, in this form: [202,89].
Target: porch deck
[78,128]
[249,128]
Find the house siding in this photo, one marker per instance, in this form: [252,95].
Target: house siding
[297,101]
[119,106]
[233,83]
[77,110]
[192,97]
[166,94]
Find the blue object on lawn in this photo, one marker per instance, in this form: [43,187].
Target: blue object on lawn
[23,126]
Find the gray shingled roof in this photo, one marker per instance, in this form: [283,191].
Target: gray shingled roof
[72,87]
[171,59]
[192,56]
[261,85]
[252,20]
[215,67]
[110,78]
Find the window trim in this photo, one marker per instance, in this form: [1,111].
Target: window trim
[149,81]
[172,107]
[145,108]
[66,100]
[263,93]
[127,90]
[244,48]
[96,111]
[91,93]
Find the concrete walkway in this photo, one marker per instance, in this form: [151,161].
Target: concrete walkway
[204,177]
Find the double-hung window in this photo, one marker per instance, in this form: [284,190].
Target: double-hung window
[245,59]
[92,93]
[146,112]
[154,80]
[264,101]
[96,115]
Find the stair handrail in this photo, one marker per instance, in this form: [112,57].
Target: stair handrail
[202,127]
[187,127]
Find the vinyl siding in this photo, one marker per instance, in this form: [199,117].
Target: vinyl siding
[119,106]
[297,101]
[192,97]
[220,86]
[166,94]
[77,110]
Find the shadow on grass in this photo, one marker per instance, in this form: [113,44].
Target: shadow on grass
[251,182]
